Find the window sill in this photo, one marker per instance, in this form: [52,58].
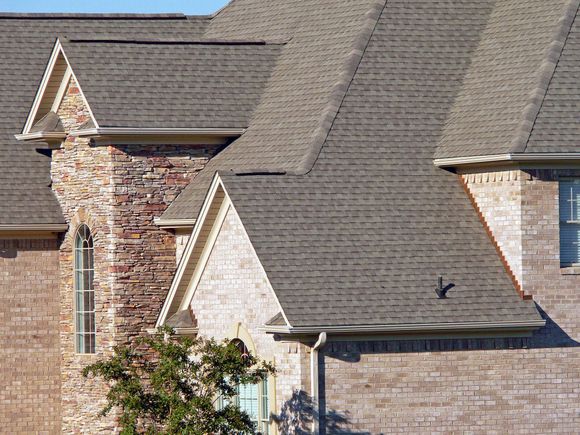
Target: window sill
[570,270]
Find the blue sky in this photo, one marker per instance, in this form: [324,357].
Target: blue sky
[190,7]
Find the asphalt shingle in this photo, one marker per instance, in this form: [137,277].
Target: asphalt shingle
[172,84]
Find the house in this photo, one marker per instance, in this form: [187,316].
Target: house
[381,197]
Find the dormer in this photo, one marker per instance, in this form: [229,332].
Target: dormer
[152,91]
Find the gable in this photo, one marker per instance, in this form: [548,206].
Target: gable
[55,81]
[218,221]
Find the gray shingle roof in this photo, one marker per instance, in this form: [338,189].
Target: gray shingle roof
[25,44]
[510,72]
[171,84]
[557,127]
[362,237]
[326,39]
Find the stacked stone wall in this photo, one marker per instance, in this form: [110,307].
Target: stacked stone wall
[29,338]
[118,191]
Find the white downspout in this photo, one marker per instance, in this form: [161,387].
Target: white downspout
[314,380]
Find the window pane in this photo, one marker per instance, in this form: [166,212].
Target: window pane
[248,399]
[569,243]
[80,342]
[570,200]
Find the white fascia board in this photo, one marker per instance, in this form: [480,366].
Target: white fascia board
[205,254]
[410,328]
[123,131]
[56,51]
[174,223]
[35,227]
[513,157]
[41,136]
[216,182]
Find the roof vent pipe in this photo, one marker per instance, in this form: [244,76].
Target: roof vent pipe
[314,381]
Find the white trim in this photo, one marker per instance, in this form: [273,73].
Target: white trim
[41,136]
[205,254]
[124,131]
[56,51]
[187,252]
[62,89]
[353,329]
[510,157]
[35,227]
[42,89]
[174,223]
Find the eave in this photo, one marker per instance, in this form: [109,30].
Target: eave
[175,223]
[42,136]
[426,328]
[510,157]
[34,227]
[132,132]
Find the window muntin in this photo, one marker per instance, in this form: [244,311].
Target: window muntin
[85,328]
[569,222]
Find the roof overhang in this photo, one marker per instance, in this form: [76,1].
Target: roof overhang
[426,328]
[175,223]
[34,227]
[42,136]
[510,157]
[168,135]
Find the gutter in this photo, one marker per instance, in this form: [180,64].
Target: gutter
[409,328]
[174,223]
[122,131]
[41,136]
[35,227]
[510,157]
[314,380]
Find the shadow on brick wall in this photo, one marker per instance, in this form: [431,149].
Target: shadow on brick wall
[298,414]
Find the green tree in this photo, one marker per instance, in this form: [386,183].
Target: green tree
[164,384]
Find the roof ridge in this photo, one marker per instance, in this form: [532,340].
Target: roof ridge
[174,41]
[545,75]
[341,87]
[98,16]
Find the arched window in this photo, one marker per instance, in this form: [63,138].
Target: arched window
[84,291]
[254,398]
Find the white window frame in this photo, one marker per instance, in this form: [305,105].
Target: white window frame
[563,222]
[84,274]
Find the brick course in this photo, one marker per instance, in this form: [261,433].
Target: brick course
[29,339]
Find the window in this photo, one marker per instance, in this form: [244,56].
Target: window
[84,291]
[569,222]
[253,398]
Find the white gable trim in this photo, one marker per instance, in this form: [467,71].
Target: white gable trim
[187,299]
[207,250]
[40,93]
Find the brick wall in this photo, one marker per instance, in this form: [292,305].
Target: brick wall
[117,190]
[478,386]
[234,288]
[518,391]
[29,346]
